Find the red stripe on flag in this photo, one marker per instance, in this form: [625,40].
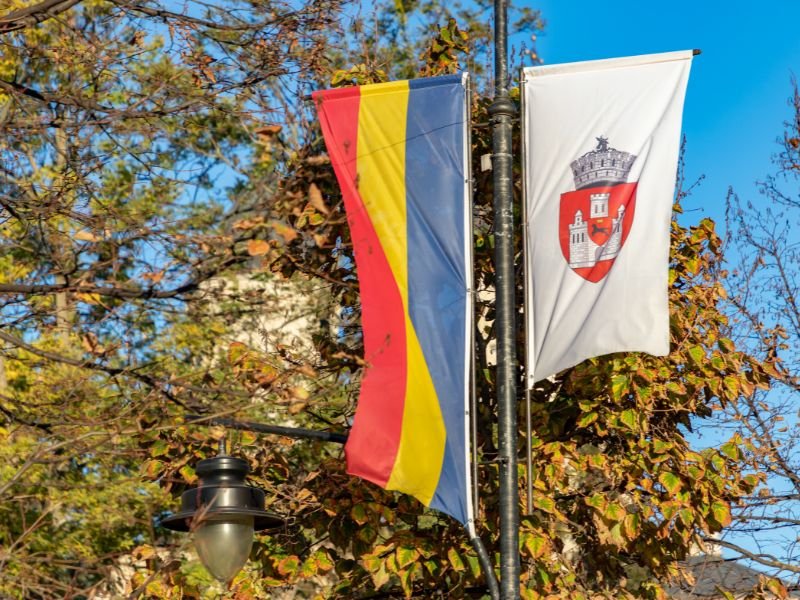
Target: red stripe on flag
[375,436]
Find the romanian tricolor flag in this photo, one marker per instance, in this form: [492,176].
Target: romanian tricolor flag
[400,151]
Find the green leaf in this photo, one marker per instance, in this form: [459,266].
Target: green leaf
[159,448]
[151,468]
[597,501]
[732,385]
[669,510]
[695,472]
[367,534]
[455,560]
[407,581]
[730,450]
[660,446]
[308,568]
[473,564]
[697,354]
[750,482]
[379,576]
[535,544]
[676,388]
[188,474]
[619,386]
[687,516]
[372,563]
[544,504]
[324,563]
[544,576]
[631,526]
[359,514]
[432,566]
[587,419]
[406,555]
[616,535]
[288,565]
[670,481]
[247,438]
[693,265]
[614,512]
[721,512]
[629,419]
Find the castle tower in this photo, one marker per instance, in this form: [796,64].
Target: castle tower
[599,205]
[580,243]
[614,243]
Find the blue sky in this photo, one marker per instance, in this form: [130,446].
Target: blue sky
[737,98]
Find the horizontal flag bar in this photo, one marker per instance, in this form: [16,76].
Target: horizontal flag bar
[291,432]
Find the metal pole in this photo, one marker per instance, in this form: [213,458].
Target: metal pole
[527,304]
[473,400]
[486,566]
[502,112]
[528,451]
[291,432]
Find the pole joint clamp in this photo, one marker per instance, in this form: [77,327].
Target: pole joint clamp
[502,107]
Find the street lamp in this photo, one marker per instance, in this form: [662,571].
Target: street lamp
[223,512]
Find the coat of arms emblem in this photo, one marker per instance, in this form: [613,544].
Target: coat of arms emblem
[595,219]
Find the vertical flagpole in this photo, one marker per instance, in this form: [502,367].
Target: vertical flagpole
[502,112]
[527,304]
[471,527]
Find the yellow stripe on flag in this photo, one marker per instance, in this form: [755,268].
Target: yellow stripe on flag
[382,170]
[381,183]
[421,451]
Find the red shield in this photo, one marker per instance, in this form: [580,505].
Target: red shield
[593,225]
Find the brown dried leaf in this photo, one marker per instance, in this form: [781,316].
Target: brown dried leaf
[269,130]
[257,247]
[316,200]
[319,160]
[91,344]
[307,370]
[286,232]
[154,277]
[246,224]
[297,407]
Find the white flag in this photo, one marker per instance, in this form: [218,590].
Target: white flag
[601,142]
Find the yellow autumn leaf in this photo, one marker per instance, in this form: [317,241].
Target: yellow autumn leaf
[89,298]
[86,236]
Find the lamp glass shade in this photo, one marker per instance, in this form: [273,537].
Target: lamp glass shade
[223,544]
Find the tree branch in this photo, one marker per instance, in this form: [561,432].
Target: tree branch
[48,96]
[763,559]
[33,15]
[46,427]
[167,15]
[87,364]
[111,292]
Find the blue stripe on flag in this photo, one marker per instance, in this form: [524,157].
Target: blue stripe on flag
[435,205]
